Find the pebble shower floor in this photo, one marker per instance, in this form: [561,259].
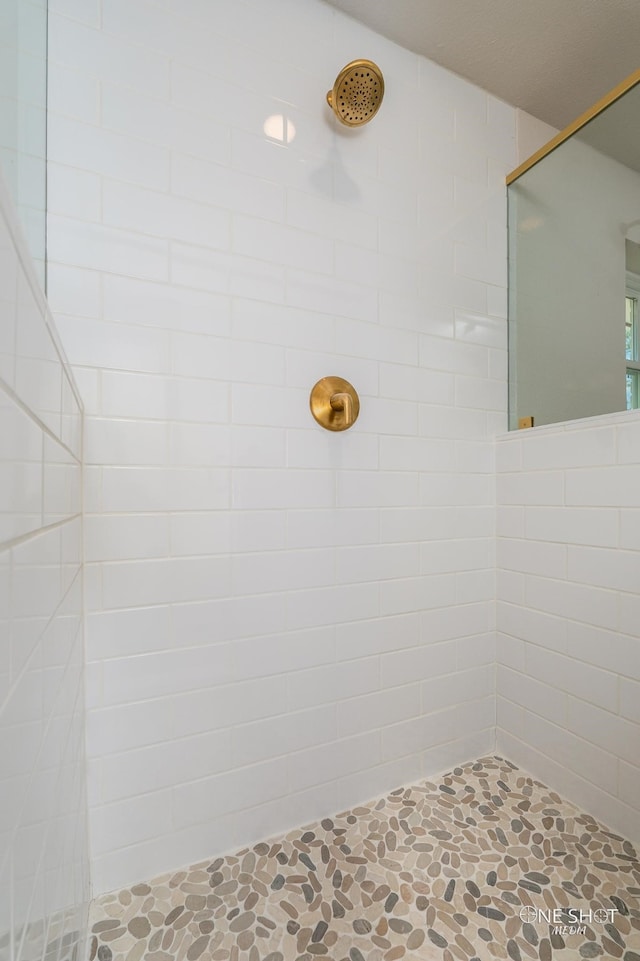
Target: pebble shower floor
[467,868]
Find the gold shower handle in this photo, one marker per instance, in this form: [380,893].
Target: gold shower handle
[334,403]
[342,401]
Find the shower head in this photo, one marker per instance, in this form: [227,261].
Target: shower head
[357,93]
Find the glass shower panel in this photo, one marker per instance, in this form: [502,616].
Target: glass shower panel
[574,254]
[23,116]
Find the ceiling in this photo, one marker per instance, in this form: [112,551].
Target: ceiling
[552,58]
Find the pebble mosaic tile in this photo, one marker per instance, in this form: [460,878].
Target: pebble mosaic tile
[487,863]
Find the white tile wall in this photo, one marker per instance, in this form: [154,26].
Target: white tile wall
[568,635]
[44,861]
[242,562]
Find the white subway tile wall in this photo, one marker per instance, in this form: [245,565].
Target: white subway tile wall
[268,604]
[44,859]
[568,618]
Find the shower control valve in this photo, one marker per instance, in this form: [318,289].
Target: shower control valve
[334,403]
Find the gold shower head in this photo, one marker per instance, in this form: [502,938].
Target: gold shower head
[357,93]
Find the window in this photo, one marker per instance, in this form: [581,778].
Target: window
[632,341]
